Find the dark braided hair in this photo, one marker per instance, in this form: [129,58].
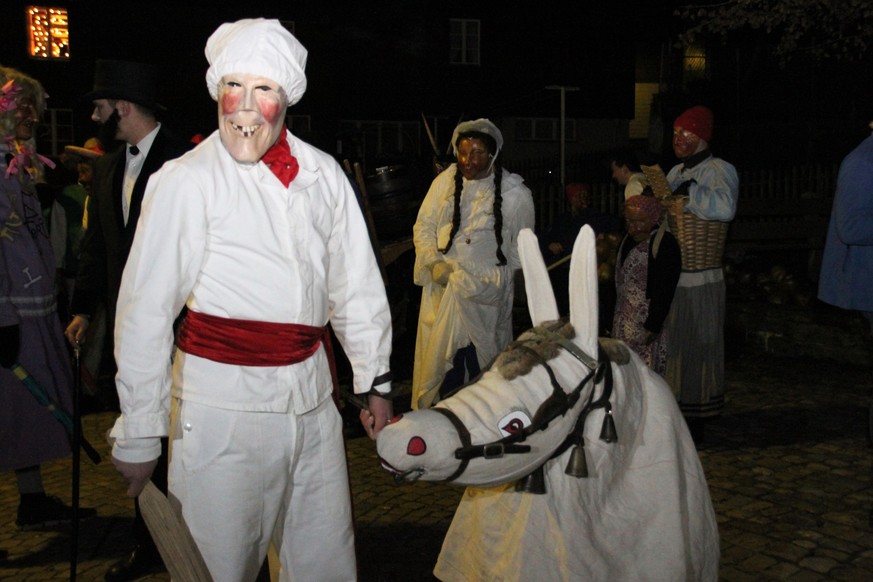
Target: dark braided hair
[498,197]
[498,212]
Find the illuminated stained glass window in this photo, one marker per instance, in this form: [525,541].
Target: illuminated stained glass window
[49,32]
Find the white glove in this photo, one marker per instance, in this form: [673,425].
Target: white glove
[440,272]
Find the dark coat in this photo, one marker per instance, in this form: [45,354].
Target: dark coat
[566,228]
[108,240]
[662,275]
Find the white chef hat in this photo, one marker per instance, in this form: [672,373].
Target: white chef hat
[481,125]
[257,46]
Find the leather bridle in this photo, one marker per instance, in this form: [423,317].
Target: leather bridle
[557,404]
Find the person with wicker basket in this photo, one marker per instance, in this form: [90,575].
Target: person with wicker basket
[704,196]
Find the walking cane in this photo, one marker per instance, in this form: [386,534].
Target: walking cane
[58,412]
[77,438]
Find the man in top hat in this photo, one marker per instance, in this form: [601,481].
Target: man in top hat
[708,188]
[261,236]
[126,106]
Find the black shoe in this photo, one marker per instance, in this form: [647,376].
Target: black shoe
[696,426]
[40,510]
[141,561]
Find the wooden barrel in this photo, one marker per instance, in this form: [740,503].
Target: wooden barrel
[392,196]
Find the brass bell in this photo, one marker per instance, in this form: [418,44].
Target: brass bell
[535,483]
[578,464]
[607,432]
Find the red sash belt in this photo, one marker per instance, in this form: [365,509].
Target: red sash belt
[250,343]
[245,342]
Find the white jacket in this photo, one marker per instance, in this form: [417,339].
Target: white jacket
[230,240]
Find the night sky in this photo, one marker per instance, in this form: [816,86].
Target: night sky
[388,60]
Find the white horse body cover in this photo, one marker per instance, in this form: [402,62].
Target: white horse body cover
[643,513]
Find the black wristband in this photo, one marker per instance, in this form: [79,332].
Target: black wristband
[378,381]
[381,379]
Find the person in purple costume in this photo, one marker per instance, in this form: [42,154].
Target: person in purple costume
[30,330]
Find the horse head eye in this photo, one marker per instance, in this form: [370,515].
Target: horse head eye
[416,446]
[513,426]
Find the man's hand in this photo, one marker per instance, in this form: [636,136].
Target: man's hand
[684,188]
[135,474]
[379,412]
[440,272]
[75,332]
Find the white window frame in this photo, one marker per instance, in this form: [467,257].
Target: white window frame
[465,41]
[379,136]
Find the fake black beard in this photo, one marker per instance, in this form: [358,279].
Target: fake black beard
[107,130]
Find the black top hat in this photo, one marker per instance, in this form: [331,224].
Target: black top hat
[134,82]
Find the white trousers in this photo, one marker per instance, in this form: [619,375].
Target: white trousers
[244,479]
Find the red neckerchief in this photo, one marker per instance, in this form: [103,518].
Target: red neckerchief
[280,161]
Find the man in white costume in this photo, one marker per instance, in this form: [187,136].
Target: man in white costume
[261,236]
[466,255]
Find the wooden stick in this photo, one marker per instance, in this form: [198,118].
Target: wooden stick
[368,216]
[176,545]
[430,136]
[558,263]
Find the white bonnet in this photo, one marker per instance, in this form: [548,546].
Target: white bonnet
[257,47]
[481,125]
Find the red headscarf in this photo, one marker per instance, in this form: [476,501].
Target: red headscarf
[649,205]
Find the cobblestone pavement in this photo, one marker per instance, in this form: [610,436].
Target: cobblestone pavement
[788,465]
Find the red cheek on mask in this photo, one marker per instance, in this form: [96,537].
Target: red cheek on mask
[229,103]
[270,111]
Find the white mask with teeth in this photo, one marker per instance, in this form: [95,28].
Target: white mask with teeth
[251,115]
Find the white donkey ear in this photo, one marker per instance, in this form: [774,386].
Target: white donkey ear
[583,291]
[540,295]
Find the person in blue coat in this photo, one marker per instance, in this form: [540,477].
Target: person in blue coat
[847,265]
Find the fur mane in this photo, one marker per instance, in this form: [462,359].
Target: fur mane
[514,362]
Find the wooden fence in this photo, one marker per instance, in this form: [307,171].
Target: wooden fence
[766,196]
[781,212]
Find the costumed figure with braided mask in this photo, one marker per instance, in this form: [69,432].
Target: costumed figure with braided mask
[466,259]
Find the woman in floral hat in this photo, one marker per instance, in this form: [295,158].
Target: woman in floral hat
[30,331]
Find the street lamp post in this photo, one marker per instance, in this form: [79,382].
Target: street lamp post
[563,89]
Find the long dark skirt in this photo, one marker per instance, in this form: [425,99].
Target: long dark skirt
[695,356]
